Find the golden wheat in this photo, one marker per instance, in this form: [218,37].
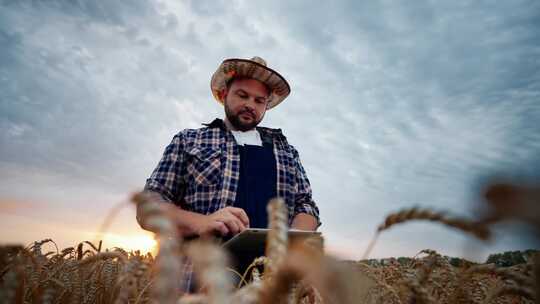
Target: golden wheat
[294,273]
[471,227]
[277,237]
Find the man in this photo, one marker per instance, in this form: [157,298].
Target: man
[219,178]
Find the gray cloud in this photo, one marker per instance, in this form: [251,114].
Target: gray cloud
[393,104]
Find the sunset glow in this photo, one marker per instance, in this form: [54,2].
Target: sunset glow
[143,242]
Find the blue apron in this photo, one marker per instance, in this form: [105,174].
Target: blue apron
[257,183]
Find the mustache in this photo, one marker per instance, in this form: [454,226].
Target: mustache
[247,111]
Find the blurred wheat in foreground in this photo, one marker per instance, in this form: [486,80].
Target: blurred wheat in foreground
[297,272]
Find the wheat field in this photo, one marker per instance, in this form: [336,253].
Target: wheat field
[296,272]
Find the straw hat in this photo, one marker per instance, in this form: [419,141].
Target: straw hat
[253,68]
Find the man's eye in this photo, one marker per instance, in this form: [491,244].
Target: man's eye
[242,94]
[260,101]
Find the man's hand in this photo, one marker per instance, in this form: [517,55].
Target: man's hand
[304,221]
[229,220]
[226,221]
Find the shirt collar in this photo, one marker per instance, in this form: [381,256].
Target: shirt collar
[216,123]
[266,133]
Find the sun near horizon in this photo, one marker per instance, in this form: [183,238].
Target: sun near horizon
[144,242]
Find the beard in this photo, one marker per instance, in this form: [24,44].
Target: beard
[237,123]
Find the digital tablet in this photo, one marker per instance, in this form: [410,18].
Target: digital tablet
[253,240]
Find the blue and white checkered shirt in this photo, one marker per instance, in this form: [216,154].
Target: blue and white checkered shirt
[200,170]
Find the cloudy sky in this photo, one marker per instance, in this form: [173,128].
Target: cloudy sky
[393,104]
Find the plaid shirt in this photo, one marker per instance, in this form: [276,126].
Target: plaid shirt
[200,170]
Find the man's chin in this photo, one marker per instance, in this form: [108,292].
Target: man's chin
[241,123]
[248,122]
[245,125]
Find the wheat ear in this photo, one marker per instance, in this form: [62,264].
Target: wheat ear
[480,231]
[103,256]
[276,243]
[167,264]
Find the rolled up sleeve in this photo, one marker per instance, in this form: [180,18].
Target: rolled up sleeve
[303,197]
[166,179]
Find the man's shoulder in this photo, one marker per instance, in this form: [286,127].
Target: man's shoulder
[279,136]
[192,132]
[194,137]
[218,125]
[187,134]
[206,128]
[212,131]
[272,132]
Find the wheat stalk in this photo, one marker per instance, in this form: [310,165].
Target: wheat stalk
[420,295]
[536,275]
[276,247]
[126,283]
[210,261]
[168,264]
[335,282]
[36,246]
[103,256]
[249,294]
[510,290]
[13,281]
[75,275]
[50,292]
[505,273]
[414,213]
[258,261]
[406,215]
[277,289]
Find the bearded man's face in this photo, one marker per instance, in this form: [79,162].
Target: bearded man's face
[245,103]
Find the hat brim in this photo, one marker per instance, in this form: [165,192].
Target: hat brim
[231,68]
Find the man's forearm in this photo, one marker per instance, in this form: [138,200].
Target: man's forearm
[225,221]
[183,219]
[304,221]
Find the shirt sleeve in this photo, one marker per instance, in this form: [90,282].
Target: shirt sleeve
[303,199]
[166,179]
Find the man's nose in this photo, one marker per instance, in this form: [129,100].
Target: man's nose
[249,104]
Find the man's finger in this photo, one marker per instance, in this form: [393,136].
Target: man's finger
[241,225]
[241,214]
[233,224]
[221,228]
